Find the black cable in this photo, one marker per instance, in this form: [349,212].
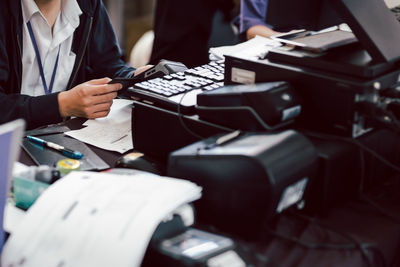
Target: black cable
[329,246]
[363,197]
[355,142]
[377,156]
[382,210]
[362,173]
[313,245]
[180,116]
[378,113]
[363,247]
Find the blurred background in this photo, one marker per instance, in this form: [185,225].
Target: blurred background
[134,20]
[131,19]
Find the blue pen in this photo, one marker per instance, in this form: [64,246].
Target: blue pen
[65,151]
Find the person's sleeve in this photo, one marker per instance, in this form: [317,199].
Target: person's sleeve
[252,13]
[105,58]
[36,111]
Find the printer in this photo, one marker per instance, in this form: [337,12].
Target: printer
[247,178]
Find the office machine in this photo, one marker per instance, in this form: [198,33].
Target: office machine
[376,52]
[246,178]
[179,91]
[191,248]
[379,36]
[331,103]
[256,107]
[175,241]
[338,84]
[164,67]
[168,130]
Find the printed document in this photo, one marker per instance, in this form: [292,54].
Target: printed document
[95,219]
[113,132]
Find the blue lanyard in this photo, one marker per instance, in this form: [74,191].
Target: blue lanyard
[47,90]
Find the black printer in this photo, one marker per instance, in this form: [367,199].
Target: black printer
[246,178]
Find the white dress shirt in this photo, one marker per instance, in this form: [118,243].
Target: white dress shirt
[48,43]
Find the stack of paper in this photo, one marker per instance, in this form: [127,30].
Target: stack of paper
[112,133]
[94,219]
[255,48]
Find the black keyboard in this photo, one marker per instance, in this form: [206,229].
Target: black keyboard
[180,88]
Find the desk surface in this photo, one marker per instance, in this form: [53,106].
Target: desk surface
[108,156]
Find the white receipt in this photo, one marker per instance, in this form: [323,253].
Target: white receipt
[95,219]
[112,133]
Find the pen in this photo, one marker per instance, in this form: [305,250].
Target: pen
[65,151]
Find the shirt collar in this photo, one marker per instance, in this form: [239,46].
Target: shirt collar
[29,8]
[70,10]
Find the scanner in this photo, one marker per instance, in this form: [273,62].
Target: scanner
[247,178]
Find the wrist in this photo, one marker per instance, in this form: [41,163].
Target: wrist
[62,104]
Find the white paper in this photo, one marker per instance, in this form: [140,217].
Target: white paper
[254,48]
[113,132]
[13,216]
[95,219]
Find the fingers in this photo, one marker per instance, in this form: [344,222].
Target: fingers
[102,89]
[92,99]
[99,81]
[142,69]
[98,99]
[100,114]
[99,111]
[101,86]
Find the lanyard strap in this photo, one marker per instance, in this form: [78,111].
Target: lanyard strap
[47,90]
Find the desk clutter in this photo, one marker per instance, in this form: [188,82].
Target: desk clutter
[259,163]
[88,213]
[339,111]
[46,156]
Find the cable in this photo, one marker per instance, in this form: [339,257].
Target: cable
[377,156]
[378,113]
[363,247]
[382,210]
[355,245]
[180,116]
[329,246]
[362,173]
[355,142]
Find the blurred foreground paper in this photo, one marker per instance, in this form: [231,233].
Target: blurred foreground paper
[95,219]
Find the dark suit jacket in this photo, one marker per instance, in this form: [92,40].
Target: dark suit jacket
[182,29]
